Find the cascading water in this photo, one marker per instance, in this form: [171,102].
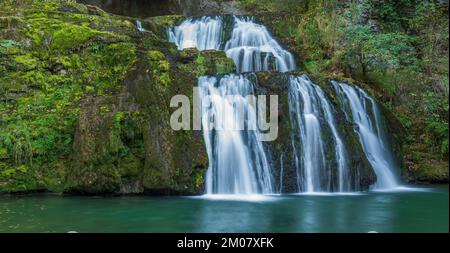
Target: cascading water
[237,160]
[205,33]
[251,46]
[253,49]
[310,111]
[139,26]
[238,163]
[363,111]
[340,151]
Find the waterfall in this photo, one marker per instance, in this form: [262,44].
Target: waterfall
[281,174]
[205,33]
[251,46]
[310,113]
[363,111]
[139,26]
[237,159]
[340,151]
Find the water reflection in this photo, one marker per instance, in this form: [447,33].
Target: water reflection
[383,212]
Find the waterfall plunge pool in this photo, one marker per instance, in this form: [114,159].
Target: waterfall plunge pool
[421,210]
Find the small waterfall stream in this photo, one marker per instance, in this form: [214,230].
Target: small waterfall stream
[205,33]
[340,150]
[310,110]
[139,26]
[253,49]
[363,111]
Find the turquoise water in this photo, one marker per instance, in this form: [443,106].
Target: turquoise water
[425,210]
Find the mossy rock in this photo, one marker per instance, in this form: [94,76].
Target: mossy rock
[56,54]
[209,62]
[173,160]
[432,172]
[169,20]
[160,24]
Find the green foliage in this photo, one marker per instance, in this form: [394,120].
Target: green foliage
[436,109]
[373,51]
[381,51]
[17,143]
[28,61]
[130,167]
[200,63]
[160,68]
[103,66]
[70,36]
[248,4]
[41,124]
[171,20]
[47,68]
[115,142]
[19,178]
[199,179]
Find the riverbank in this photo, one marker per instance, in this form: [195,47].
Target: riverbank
[45,193]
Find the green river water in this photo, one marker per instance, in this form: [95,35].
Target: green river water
[424,210]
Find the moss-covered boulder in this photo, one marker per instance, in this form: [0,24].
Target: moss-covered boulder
[106,147]
[85,104]
[174,161]
[53,55]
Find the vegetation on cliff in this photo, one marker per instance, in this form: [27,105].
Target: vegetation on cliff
[84,102]
[52,54]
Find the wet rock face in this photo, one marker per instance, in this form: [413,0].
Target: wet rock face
[282,158]
[98,164]
[152,8]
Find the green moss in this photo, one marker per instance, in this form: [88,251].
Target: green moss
[130,167]
[155,56]
[51,58]
[70,36]
[3,153]
[200,64]
[170,20]
[199,179]
[210,62]
[27,60]
[432,173]
[225,67]
[160,68]
[30,178]
[73,7]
